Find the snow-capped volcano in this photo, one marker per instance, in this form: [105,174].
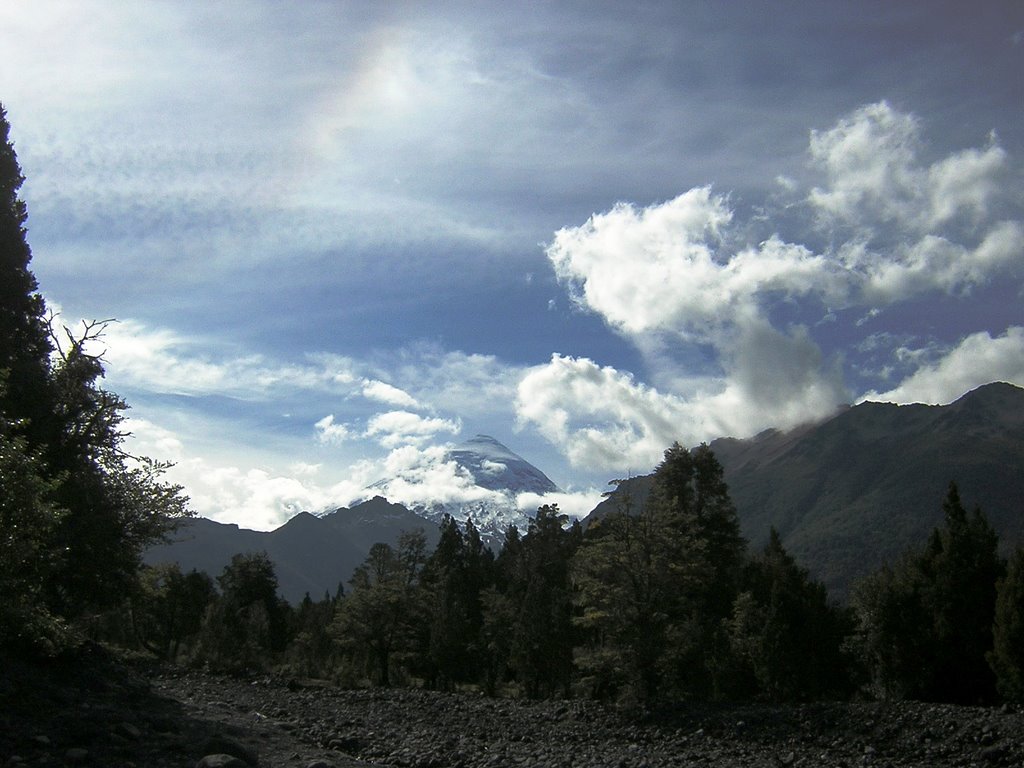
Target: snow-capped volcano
[496,468]
[479,479]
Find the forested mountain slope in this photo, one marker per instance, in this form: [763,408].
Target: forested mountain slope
[310,554]
[856,490]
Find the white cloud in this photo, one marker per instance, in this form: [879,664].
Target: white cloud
[469,384]
[601,418]
[330,432]
[163,361]
[678,270]
[396,428]
[934,262]
[644,269]
[150,439]
[256,497]
[869,158]
[422,475]
[877,176]
[978,359]
[575,505]
[383,392]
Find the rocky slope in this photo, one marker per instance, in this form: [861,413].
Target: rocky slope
[100,714]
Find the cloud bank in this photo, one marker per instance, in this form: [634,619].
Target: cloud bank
[885,226]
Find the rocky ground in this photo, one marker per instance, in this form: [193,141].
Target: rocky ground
[95,711]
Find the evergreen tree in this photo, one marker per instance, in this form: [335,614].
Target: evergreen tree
[169,608]
[27,562]
[454,577]
[24,332]
[249,622]
[962,565]
[785,631]
[925,626]
[1007,655]
[527,627]
[627,579]
[85,508]
[381,616]
[656,586]
[311,652]
[498,613]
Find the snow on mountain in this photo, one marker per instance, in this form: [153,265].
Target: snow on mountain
[479,479]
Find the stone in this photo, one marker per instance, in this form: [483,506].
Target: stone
[128,731]
[223,745]
[76,755]
[221,761]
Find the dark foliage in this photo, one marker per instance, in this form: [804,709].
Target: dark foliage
[75,509]
[925,624]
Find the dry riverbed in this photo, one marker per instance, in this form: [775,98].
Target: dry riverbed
[99,712]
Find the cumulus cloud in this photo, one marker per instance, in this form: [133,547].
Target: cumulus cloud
[875,173]
[599,416]
[386,393]
[978,359]
[260,498]
[396,428]
[898,226]
[327,431]
[425,475]
[603,418]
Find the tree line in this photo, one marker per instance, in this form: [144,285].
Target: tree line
[650,605]
[657,602]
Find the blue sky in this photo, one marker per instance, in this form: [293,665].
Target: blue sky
[339,236]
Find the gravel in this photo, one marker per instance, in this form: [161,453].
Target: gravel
[101,712]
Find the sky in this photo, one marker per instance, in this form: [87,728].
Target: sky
[337,237]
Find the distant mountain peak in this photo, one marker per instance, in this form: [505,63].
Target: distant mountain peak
[495,467]
[499,476]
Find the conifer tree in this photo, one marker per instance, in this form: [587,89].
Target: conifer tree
[381,616]
[786,631]
[656,585]
[538,602]
[24,333]
[925,625]
[1007,655]
[71,494]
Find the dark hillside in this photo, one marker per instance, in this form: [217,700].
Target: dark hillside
[858,489]
[310,554]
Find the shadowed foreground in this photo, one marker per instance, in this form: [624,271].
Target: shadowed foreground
[93,710]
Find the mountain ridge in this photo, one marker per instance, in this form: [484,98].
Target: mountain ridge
[858,489]
[846,494]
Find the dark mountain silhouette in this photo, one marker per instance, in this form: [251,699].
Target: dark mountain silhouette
[310,554]
[858,489]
